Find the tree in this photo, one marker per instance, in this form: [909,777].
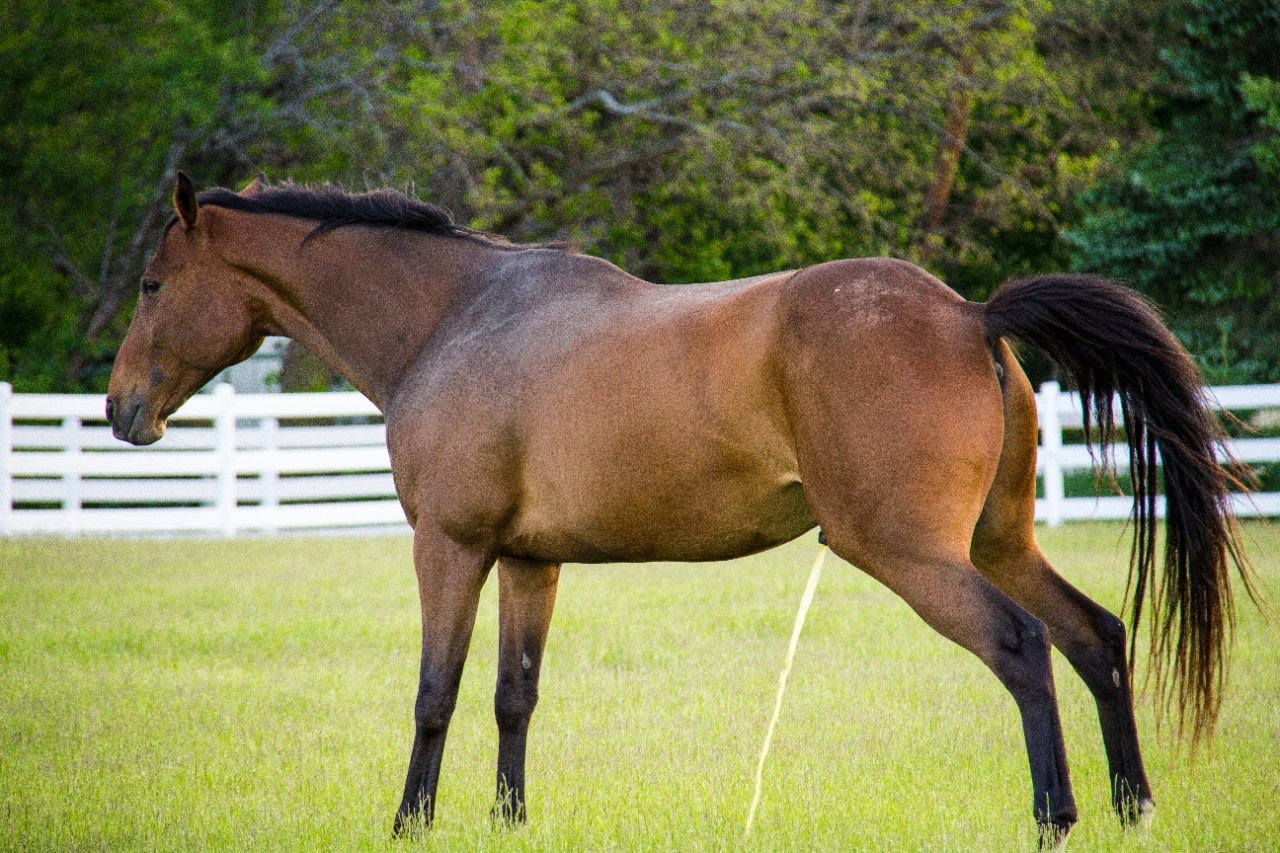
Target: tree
[688,140]
[683,139]
[104,100]
[1192,217]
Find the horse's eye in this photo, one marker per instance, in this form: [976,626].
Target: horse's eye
[150,287]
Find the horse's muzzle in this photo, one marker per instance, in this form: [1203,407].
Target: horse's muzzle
[129,422]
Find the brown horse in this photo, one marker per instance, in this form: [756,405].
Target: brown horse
[545,407]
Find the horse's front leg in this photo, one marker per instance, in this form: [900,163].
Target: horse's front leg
[526,597]
[450,577]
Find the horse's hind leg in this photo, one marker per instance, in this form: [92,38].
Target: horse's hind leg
[1093,640]
[955,600]
[897,416]
[526,597]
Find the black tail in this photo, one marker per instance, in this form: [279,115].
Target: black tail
[1112,343]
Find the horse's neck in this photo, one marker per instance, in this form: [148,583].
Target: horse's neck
[363,310]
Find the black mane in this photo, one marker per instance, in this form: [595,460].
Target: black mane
[334,208]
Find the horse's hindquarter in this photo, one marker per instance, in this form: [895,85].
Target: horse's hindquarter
[894,404]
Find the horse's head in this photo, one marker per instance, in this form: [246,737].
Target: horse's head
[193,319]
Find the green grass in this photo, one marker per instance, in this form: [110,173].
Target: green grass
[257,695]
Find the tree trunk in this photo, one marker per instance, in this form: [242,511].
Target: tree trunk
[951,147]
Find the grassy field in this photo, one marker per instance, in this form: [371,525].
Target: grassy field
[257,695]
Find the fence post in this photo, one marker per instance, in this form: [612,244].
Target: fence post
[269,474]
[224,426]
[71,491]
[6,465]
[1051,452]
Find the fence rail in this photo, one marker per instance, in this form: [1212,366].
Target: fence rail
[273,462]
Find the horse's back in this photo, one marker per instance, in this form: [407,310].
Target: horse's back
[858,393]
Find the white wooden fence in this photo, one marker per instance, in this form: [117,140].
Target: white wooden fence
[228,463]
[1060,410]
[272,462]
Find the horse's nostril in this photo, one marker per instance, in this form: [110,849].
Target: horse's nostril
[111,410]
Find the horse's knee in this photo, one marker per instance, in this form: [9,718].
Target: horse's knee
[513,703]
[434,707]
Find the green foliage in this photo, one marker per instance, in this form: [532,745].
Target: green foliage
[1262,96]
[1193,217]
[93,94]
[102,101]
[695,141]
[682,139]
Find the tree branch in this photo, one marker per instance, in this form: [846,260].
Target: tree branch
[277,48]
[109,243]
[81,285]
[951,146]
[113,289]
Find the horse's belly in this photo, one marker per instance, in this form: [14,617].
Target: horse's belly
[716,521]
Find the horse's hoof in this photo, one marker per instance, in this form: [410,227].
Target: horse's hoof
[1146,814]
[1053,837]
[409,825]
[1137,814]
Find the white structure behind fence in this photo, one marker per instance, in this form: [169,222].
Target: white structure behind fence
[273,462]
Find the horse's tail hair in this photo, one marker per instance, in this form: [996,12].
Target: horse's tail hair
[1112,343]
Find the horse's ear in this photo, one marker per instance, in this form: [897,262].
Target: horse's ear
[184,201]
[255,186]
